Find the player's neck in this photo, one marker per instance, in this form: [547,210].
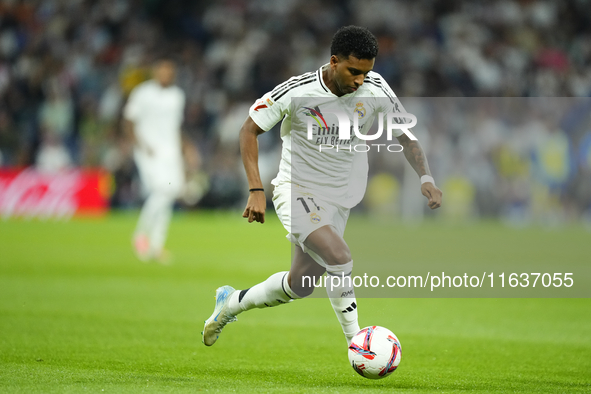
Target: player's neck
[330,83]
[163,84]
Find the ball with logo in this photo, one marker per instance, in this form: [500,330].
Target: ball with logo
[375,352]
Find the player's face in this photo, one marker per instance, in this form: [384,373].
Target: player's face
[350,73]
[164,73]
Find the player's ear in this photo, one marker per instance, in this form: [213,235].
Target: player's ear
[334,60]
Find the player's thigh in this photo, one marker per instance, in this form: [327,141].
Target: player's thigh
[167,179]
[304,273]
[305,215]
[300,212]
[329,244]
[144,168]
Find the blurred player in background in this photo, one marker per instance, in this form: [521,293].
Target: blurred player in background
[153,118]
[314,208]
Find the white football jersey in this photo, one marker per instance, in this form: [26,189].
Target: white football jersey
[157,114]
[339,175]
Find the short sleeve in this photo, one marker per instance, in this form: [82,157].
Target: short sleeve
[266,113]
[389,102]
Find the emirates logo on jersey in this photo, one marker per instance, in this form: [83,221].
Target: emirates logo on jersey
[340,136]
[316,114]
[324,133]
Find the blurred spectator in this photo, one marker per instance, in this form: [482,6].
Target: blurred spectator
[52,155]
[66,68]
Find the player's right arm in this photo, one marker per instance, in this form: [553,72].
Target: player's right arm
[131,113]
[129,128]
[263,115]
[249,148]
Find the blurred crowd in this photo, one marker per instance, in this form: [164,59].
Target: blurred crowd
[67,67]
[524,159]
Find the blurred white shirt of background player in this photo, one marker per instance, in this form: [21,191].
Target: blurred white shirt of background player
[153,118]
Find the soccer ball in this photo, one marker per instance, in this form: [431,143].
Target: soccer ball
[375,352]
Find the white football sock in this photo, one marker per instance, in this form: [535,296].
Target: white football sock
[274,291]
[339,287]
[160,223]
[155,218]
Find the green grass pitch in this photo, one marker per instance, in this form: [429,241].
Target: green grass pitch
[78,314]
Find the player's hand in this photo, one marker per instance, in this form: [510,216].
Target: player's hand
[255,207]
[433,194]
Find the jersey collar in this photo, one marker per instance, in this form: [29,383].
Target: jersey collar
[321,80]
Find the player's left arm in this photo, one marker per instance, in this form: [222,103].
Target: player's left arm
[189,151]
[416,157]
[191,155]
[412,148]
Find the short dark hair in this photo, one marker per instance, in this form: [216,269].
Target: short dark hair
[354,40]
[163,58]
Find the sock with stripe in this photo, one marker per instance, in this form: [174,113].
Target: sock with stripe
[272,292]
[339,287]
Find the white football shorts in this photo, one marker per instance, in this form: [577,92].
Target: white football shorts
[161,174]
[301,212]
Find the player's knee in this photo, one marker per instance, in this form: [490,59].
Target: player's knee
[338,256]
[304,284]
[303,292]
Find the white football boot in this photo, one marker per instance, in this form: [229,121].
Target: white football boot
[220,316]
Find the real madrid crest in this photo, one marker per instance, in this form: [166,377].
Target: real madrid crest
[315,218]
[360,110]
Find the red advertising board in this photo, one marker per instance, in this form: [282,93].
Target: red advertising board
[30,193]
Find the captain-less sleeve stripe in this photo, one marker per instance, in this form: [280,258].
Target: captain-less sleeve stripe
[304,82]
[376,82]
[281,89]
